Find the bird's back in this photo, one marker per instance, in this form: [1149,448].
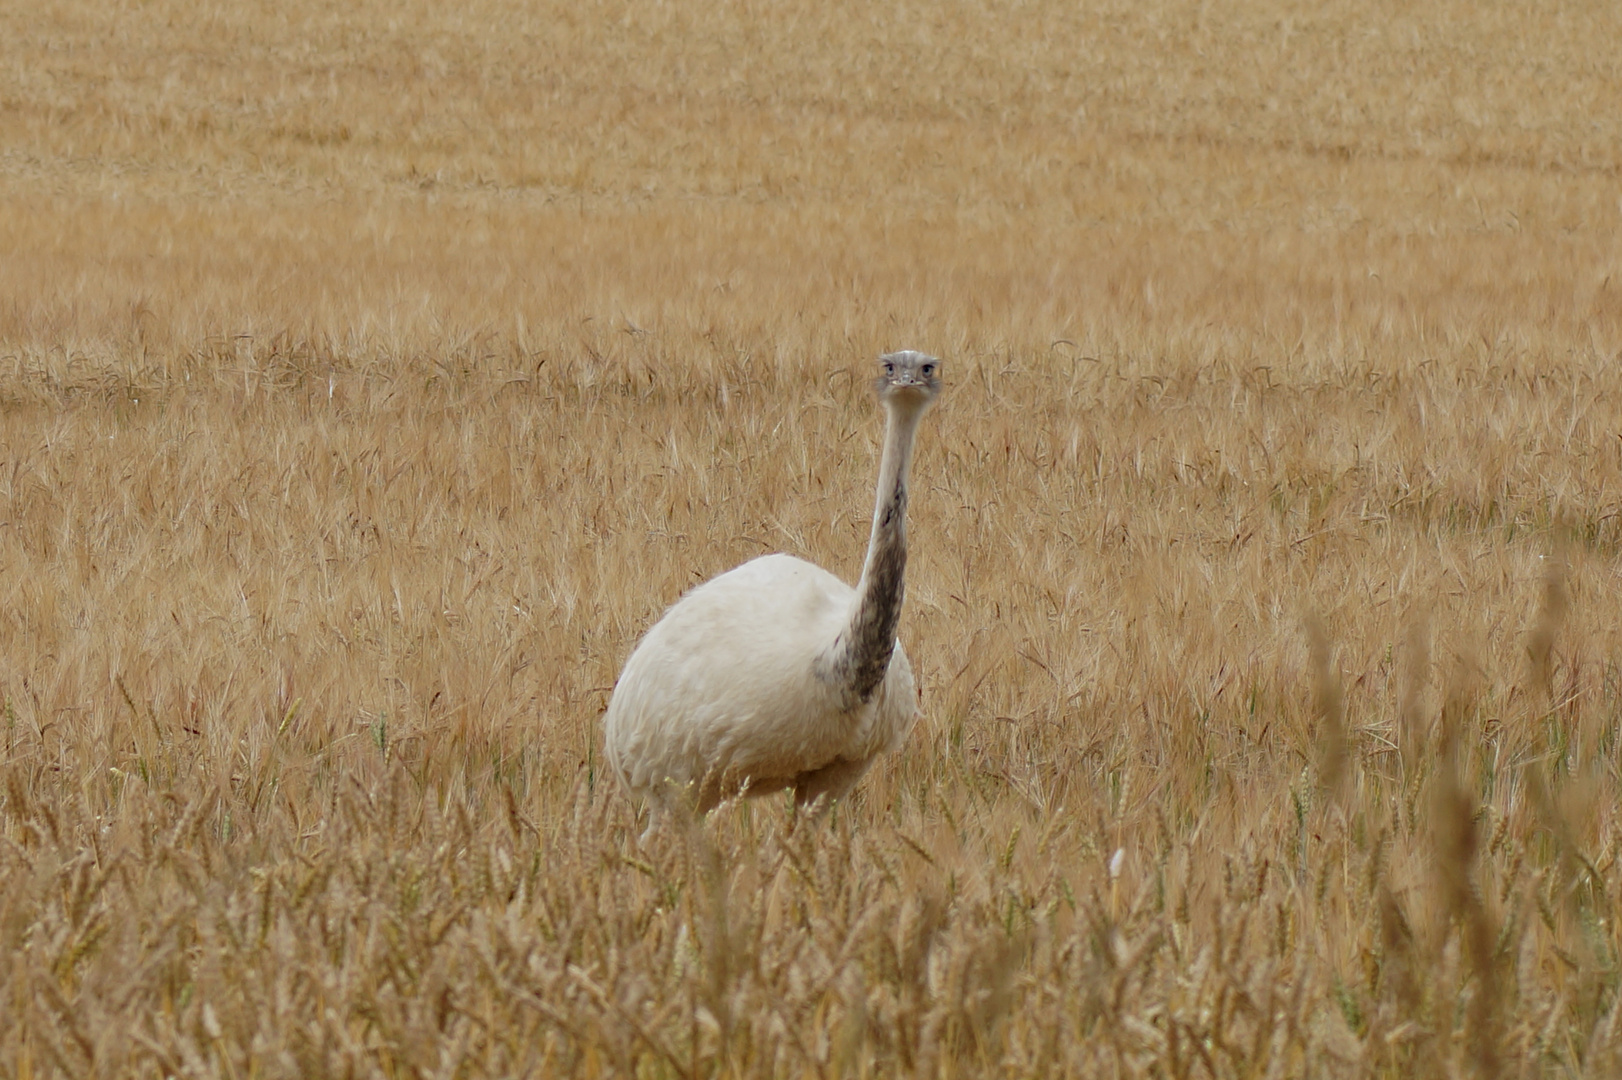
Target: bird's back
[725,681]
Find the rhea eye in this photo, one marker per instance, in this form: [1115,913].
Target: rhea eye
[929,369]
[889,369]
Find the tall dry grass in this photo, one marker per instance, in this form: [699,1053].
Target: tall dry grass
[371,376]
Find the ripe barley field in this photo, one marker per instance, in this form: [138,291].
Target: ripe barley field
[372,375]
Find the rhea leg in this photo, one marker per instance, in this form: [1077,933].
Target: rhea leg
[828,783]
[692,801]
[671,803]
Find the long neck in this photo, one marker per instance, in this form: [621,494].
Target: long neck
[861,654]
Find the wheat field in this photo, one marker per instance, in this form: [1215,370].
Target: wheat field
[373,375]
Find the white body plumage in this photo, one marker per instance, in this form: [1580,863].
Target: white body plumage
[724,689]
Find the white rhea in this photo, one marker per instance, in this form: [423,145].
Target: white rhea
[776,674]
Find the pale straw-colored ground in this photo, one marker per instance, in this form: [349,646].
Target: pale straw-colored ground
[371,375]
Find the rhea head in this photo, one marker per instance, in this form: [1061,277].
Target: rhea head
[908,380]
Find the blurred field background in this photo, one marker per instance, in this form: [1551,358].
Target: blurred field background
[372,375]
